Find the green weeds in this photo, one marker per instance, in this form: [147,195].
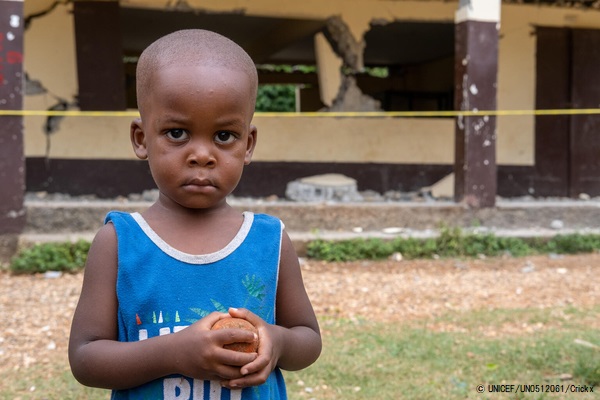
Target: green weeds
[66,257]
[451,243]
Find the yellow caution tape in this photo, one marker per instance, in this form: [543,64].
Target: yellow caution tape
[319,114]
[433,113]
[73,113]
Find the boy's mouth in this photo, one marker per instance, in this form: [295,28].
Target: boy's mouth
[199,182]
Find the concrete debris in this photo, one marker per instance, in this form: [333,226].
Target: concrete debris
[52,274]
[444,188]
[557,224]
[351,98]
[528,268]
[326,187]
[344,44]
[440,190]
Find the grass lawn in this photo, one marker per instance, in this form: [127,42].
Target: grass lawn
[448,358]
[441,358]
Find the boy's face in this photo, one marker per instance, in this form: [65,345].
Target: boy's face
[196,133]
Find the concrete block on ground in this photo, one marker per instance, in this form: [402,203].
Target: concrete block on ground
[444,188]
[326,187]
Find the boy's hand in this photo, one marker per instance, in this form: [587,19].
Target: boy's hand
[200,354]
[257,371]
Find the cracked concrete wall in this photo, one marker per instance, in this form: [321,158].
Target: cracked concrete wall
[50,61]
[345,31]
[50,68]
[54,67]
[351,51]
[55,71]
[343,42]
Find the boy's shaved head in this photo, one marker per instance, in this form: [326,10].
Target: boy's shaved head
[193,47]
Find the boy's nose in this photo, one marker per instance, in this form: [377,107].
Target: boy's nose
[200,154]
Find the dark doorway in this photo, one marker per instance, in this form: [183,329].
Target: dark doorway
[567,147]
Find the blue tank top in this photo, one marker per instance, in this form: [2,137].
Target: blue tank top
[162,290]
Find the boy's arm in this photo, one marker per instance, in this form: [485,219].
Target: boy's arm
[98,359]
[301,341]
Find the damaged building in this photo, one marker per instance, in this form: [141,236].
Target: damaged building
[365,59]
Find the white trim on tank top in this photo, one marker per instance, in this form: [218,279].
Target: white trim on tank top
[197,258]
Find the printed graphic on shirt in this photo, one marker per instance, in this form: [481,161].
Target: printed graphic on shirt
[164,322]
[256,290]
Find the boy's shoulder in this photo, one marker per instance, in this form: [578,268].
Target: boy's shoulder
[267,219]
[113,215]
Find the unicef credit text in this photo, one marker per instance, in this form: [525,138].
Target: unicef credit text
[535,388]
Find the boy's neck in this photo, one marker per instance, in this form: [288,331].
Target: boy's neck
[166,208]
[194,231]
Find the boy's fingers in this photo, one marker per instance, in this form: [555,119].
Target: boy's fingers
[233,335]
[211,318]
[246,314]
[254,366]
[250,380]
[236,358]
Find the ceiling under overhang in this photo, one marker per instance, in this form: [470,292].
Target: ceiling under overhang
[287,40]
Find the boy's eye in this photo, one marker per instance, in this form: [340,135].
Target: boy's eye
[177,134]
[224,137]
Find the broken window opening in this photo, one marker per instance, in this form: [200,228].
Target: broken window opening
[282,48]
[288,88]
[419,59]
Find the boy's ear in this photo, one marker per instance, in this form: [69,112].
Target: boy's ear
[138,139]
[251,144]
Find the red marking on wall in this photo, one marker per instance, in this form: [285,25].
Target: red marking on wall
[7,57]
[1,58]
[14,57]
[1,66]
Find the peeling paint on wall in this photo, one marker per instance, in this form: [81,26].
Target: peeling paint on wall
[43,13]
[50,77]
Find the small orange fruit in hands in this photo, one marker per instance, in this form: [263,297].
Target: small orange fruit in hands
[238,323]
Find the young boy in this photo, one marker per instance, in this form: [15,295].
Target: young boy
[156,282]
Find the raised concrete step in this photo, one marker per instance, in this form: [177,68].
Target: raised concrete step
[73,220]
[79,216]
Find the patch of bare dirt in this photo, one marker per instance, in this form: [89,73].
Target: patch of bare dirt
[36,310]
[405,290]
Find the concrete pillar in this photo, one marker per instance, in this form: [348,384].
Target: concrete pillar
[476,70]
[329,66]
[12,157]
